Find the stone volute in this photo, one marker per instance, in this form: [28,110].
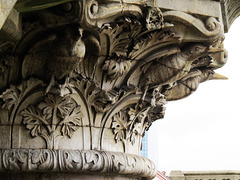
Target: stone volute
[82,80]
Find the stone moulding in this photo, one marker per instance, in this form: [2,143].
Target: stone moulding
[80,161]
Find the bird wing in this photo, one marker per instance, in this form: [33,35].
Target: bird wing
[35,60]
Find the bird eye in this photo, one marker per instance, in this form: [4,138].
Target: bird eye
[197,49]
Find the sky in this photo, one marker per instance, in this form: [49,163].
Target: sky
[202,131]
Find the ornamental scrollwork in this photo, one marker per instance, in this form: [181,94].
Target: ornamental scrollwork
[88,161]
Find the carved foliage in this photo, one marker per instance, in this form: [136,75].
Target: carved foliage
[116,69]
[28,160]
[46,118]
[129,124]
[15,95]
[53,113]
[95,96]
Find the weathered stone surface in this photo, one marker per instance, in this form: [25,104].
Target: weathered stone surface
[88,78]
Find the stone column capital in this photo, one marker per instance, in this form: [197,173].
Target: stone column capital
[87,78]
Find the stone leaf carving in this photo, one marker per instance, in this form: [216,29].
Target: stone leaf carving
[120,126]
[83,161]
[13,159]
[155,40]
[35,121]
[95,96]
[116,69]
[53,113]
[70,160]
[13,98]
[71,121]
[43,159]
[128,124]
[118,39]
[15,94]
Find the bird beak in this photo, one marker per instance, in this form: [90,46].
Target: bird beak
[219,76]
[214,50]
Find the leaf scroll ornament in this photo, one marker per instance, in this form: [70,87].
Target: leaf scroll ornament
[10,97]
[118,36]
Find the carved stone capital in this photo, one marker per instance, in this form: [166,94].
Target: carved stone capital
[91,76]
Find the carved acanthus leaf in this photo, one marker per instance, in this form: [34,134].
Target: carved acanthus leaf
[116,69]
[100,99]
[10,97]
[15,94]
[155,40]
[72,161]
[44,158]
[128,124]
[119,39]
[13,159]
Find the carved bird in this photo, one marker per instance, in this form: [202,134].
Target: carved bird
[190,83]
[67,53]
[55,56]
[168,70]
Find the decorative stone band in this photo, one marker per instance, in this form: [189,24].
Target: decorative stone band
[83,161]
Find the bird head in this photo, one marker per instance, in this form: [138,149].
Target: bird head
[199,50]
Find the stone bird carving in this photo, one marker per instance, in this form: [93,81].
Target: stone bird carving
[55,57]
[190,83]
[67,53]
[168,70]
